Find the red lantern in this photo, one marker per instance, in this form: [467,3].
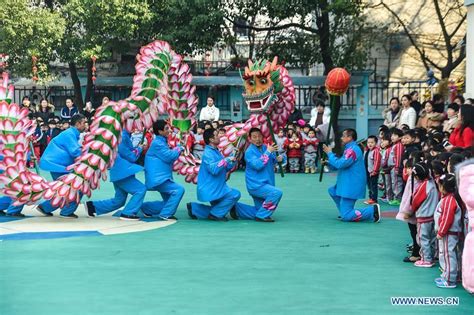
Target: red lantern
[93,68]
[337,81]
[34,69]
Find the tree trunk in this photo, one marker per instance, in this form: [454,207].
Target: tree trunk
[77,86]
[90,83]
[324,31]
[335,126]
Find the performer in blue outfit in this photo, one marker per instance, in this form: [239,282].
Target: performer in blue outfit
[260,179]
[122,175]
[211,183]
[59,154]
[351,180]
[159,174]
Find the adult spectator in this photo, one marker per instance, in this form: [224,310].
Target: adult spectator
[463,135]
[428,118]
[26,103]
[68,111]
[469,101]
[459,99]
[438,103]
[452,120]
[320,114]
[391,114]
[415,103]
[45,110]
[295,115]
[89,111]
[210,112]
[408,114]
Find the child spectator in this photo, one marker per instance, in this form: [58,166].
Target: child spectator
[65,125]
[448,227]
[423,203]
[280,139]
[310,145]
[395,165]
[53,130]
[198,142]
[409,145]
[405,212]
[372,159]
[385,147]
[221,132]
[293,146]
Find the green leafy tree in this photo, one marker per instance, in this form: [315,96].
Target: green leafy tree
[189,26]
[96,28]
[27,31]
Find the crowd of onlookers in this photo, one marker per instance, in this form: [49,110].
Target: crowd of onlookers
[49,124]
[412,161]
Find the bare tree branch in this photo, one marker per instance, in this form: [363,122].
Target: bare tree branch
[456,29]
[274,28]
[421,52]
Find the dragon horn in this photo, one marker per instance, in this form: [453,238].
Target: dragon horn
[250,62]
[274,63]
[247,71]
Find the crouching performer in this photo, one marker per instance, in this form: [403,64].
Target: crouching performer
[211,183]
[122,175]
[159,161]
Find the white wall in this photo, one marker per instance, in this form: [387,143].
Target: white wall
[470,52]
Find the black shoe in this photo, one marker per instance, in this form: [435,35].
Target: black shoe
[146,215]
[267,219]
[90,209]
[214,218]
[190,211]
[40,210]
[68,216]
[233,213]
[18,215]
[377,216]
[411,259]
[129,217]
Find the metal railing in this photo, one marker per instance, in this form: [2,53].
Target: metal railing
[379,94]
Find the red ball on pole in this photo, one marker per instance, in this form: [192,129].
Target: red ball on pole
[337,81]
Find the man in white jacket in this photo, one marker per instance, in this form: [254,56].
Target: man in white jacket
[210,112]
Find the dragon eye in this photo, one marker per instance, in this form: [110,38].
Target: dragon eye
[251,82]
[263,81]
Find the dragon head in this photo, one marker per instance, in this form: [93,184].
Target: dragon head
[261,84]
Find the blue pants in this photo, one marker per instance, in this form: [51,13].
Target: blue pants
[266,200]
[68,209]
[6,204]
[346,208]
[218,208]
[172,193]
[123,187]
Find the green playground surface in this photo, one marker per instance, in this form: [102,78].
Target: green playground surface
[307,262]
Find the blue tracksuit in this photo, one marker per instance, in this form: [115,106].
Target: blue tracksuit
[260,181]
[159,161]
[122,175]
[212,186]
[350,185]
[59,154]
